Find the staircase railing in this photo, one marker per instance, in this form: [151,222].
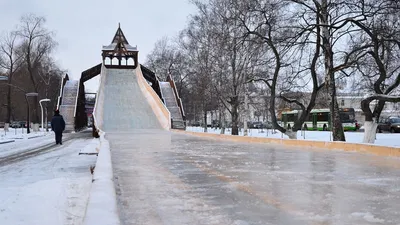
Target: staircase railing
[157,89]
[91,73]
[63,82]
[82,117]
[151,77]
[177,98]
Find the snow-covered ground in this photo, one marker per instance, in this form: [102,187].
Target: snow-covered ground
[384,139]
[23,141]
[48,189]
[18,134]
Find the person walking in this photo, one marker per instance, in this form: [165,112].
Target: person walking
[58,126]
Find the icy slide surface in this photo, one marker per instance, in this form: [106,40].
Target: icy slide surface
[123,106]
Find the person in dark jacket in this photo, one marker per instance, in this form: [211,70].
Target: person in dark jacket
[58,126]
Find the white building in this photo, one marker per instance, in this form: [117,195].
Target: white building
[354,101]
[258,108]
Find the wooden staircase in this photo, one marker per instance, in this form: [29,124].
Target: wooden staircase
[171,102]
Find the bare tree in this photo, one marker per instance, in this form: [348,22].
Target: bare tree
[161,59]
[283,74]
[170,59]
[37,43]
[231,52]
[379,68]
[196,40]
[334,23]
[10,61]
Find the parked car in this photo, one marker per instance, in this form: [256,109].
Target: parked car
[23,124]
[15,124]
[267,125]
[391,124]
[196,124]
[257,125]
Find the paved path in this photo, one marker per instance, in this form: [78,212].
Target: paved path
[169,178]
[49,188]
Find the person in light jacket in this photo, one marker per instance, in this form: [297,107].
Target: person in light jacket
[58,126]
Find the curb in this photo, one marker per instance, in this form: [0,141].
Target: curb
[344,146]
[5,142]
[102,204]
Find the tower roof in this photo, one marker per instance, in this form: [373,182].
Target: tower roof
[119,36]
[119,42]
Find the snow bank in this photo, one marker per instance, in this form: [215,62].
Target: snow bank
[331,145]
[382,139]
[102,206]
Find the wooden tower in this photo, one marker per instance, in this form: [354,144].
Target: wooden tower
[119,54]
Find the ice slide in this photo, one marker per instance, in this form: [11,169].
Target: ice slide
[126,102]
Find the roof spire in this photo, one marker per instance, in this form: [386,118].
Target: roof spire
[120,49]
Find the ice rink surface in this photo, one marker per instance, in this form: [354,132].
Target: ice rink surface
[169,178]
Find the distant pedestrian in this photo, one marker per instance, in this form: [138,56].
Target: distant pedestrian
[58,126]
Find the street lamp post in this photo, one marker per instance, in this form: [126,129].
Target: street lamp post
[31,94]
[41,108]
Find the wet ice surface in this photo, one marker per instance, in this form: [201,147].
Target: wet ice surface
[48,189]
[167,178]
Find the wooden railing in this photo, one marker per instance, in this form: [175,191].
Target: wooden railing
[90,73]
[63,82]
[151,77]
[178,99]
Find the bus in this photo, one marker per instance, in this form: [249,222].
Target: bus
[319,119]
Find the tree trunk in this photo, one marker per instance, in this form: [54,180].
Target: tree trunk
[336,124]
[291,134]
[378,109]
[212,118]
[371,125]
[205,120]
[370,132]
[223,125]
[246,112]
[235,115]
[235,120]
[8,116]
[337,127]
[31,71]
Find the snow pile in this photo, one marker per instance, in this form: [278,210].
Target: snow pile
[383,139]
[92,148]
[102,206]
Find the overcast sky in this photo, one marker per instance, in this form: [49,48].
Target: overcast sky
[83,26]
